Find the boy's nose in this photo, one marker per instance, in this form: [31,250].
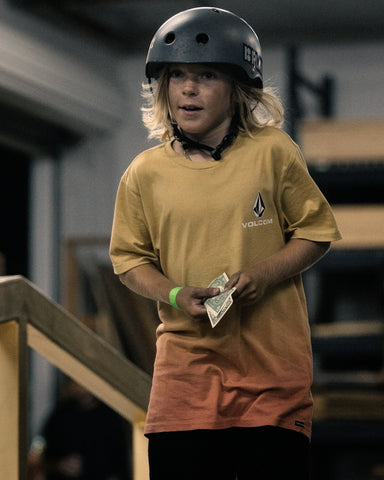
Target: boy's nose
[190,87]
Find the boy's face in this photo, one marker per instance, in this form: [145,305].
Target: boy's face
[200,101]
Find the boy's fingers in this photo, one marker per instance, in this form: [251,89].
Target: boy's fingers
[214,291]
[232,281]
[206,292]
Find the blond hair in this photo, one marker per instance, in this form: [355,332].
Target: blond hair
[257,108]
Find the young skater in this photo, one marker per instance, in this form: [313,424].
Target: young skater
[226,191]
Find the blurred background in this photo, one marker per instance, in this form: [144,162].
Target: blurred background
[70,123]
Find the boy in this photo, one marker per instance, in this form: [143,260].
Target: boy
[225,191]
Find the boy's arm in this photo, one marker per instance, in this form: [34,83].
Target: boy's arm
[149,282]
[295,257]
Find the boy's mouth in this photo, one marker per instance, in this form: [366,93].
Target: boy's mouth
[190,108]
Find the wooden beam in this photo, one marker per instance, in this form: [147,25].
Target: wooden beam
[140,448]
[83,375]
[342,141]
[348,405]
[362,226]
[9,400]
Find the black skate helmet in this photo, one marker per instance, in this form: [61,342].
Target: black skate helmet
[207,35]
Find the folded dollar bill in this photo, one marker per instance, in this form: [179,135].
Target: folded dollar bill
[218,306]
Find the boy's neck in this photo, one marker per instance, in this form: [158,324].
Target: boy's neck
[194,155]
[195,149]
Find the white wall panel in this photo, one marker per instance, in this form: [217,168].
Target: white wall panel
[42,78]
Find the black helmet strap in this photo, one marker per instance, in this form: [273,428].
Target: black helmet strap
[214,151]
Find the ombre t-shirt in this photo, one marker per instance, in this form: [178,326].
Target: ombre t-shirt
[194,221]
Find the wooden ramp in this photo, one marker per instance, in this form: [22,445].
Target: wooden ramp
[354,151]
[28,319]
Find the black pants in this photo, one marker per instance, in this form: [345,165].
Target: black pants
[261,453]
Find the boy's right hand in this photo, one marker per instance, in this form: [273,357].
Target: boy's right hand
[191,301]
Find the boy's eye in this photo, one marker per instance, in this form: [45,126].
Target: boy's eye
[208,75]
[175,73]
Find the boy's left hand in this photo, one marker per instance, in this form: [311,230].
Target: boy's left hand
[250,285]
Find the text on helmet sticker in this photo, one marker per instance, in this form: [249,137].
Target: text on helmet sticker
[250,56]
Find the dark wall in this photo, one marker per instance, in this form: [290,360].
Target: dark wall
[14,210]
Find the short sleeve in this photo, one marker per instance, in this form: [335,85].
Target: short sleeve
[131,243]
[306,212]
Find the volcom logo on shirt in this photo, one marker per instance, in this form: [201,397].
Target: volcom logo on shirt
[259,207]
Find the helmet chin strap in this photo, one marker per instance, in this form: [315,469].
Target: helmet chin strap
[216,151]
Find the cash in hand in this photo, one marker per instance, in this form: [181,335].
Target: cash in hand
[218,305]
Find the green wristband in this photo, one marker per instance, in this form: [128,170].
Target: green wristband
[172,297]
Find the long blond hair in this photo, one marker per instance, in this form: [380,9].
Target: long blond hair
[257,108]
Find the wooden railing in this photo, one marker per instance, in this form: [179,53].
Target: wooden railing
[28,319]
